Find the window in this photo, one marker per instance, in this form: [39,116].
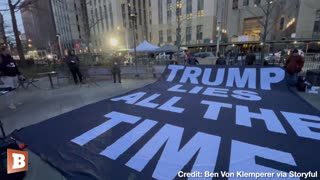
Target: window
[281,23]
[245,2]
[111,15]
[106,17]
[200,8]
[97,19]
[101,18]
[160,12]
[200,5]
[188,34]
[189,6]
[257,2]
[160,37]
[169,16]
[235,4]
[316,28]
[169,36]
[123,9]
[169,11]
[140,12]
[199,32]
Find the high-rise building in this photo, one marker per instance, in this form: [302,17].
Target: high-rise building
[183,22]
[114,20]
[51,24]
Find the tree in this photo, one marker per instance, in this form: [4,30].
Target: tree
[269,11]
[2,31]
[15,6]
[177,9]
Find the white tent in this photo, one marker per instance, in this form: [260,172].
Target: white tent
[145,46]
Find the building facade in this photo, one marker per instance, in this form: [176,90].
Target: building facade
[292,20]
[183,22]
[56,25]
[120,21]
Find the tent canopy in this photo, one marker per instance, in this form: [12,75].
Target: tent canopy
[167,48]
[145,46]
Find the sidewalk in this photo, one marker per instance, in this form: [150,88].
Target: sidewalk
[39,105]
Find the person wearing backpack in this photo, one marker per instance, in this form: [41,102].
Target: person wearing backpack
[293,66]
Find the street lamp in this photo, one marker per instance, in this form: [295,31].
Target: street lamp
[218,38]
[113,42]
[133,19]
[59,42]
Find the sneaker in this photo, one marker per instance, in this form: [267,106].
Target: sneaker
[12,106]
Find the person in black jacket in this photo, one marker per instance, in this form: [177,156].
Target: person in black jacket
[115,69]
[221,60]
[250,58]
[74,66]
[193,60]
[9,75]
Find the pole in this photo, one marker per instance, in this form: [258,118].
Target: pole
[60,48]
[133,16]
[218,39]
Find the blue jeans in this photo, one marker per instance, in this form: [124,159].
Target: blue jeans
[292,79]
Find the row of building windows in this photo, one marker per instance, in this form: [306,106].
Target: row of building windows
[235,3]
[199,34]
[178,9]
[100,19]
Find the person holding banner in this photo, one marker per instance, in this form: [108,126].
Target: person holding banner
[293,66]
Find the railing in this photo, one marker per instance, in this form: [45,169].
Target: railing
[311,61]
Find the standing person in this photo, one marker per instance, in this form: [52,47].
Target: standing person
[186,57]
[9,75]
[293,66]
[250,58]
[115,70]
[193,60]
[221,60]
[74,66]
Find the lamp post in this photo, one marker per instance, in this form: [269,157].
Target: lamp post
[218,38]
[133,16]
[59,42]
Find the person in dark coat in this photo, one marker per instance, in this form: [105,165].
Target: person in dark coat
[293,66]
[74,66]
[250,58]
[193,60]
[221,60]
[115,70]
[10,76]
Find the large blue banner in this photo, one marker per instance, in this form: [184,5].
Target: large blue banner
[196,122]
